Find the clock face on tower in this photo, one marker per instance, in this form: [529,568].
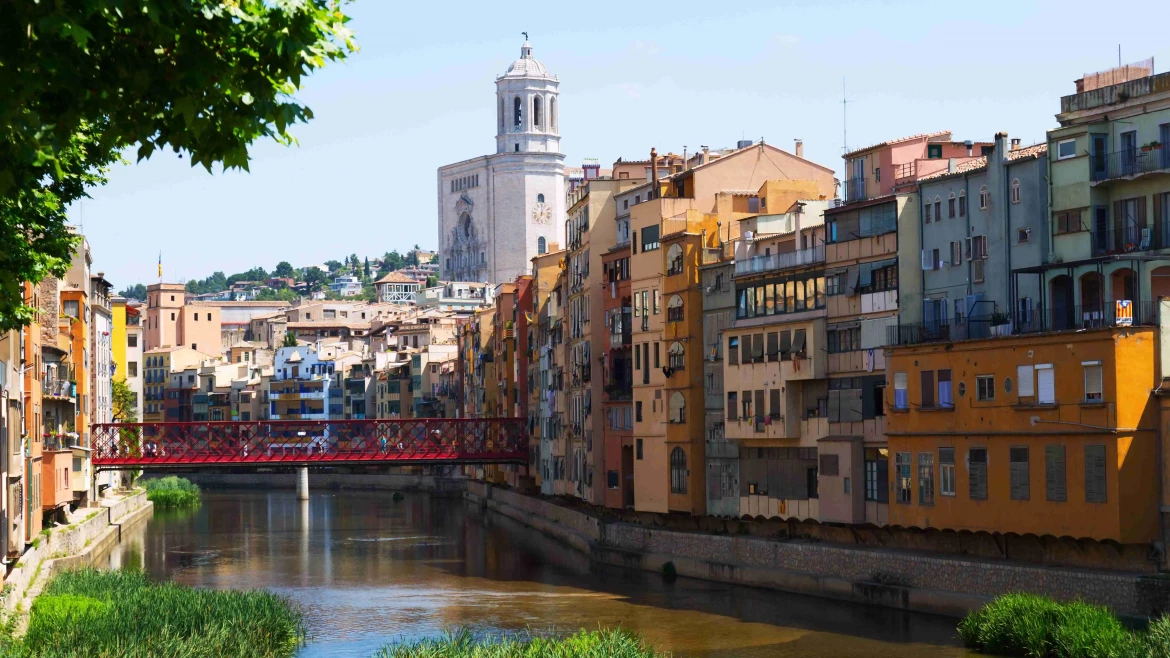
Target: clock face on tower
[541,214]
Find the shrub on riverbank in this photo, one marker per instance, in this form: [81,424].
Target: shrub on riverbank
[1038,627]
[583,644]
[172,492]
[121,613]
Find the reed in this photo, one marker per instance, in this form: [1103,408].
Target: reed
[583,644]
[172,492]
[121,613]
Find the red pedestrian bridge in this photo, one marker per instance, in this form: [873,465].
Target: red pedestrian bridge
[414,441]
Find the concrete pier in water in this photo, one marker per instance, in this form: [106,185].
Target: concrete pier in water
[303,483]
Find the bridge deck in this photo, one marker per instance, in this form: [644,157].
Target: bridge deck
[307,442]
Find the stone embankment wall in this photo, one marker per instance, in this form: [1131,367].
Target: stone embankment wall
[93,529]
[894,578]
[329,481]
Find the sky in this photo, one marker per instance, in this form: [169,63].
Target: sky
[421,94]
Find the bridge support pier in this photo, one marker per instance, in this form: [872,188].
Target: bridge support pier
[303,483]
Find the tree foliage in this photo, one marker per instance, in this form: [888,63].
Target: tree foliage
[284,270]
[314,277]
[84,80]
[290,339]
[125,402]
[393,261]
[136,291]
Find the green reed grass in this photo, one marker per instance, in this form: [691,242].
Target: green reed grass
[172,492]
[583,644]
[121,613]
[1037,627]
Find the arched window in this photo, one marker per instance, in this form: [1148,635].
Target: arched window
[674,260]
[518,111]
[984,198]
[674,309]
[1015,190]
[678,470]
[540,198]
[675,355]
[536,113]
[541,246]
[951,206]
[962,203]
[552,114]
[937,209]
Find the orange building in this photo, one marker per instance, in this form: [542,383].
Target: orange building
[1047,434]
[171,322]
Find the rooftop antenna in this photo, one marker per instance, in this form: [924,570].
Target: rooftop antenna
[844,118]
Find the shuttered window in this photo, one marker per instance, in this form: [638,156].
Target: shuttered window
[773,346]
[830,465]
[902,475]
[774,408]
[946,471]
[732,350]
[1019,473]
[785,344]
[928,388]
[758,348]
[760,404]
[1025,381]
[1045,384]
[901,395]
[1094,389]
[977,473]
[1095,474]
[1054,474]
[732,405]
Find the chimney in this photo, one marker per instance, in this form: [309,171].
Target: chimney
[654,170]
[703,160]
[970,147]
[951,164]
[1015,143]
[800,148]
[1000,143]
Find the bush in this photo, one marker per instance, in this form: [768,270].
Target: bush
[172,492]
[669,572]
[583,644]
[121,613]
[1037,627]
[1158,637]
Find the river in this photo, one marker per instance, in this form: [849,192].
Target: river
[368,570]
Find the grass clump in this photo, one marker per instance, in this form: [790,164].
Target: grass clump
[121,613]
[583,644]
[1033,626]
[172,492]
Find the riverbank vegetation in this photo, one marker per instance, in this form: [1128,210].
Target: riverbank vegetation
[1038,627]
[172,492]
[583,644]
[121,613]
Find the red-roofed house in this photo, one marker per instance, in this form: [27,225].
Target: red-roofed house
[894,165]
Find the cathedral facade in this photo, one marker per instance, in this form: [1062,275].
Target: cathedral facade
[498,211]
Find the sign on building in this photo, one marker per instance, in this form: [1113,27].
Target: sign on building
[1124,316]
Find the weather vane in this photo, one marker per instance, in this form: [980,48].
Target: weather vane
[525,35]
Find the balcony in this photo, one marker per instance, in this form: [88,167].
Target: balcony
[1076,318]
[335,392]
[855,190]
[1129,164]
[774,262]
[58,389]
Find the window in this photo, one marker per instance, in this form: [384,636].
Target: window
[945,400]
[674,309]
[678,408]
[541,245]
[638,413]
[902,476]
[946,471]
[1019,472]
[1068,221]
[657,360]
[977,473]
[937,209]
[962,203]
[1046,384]
[956,253]
[678,471]
[926,478]
[984,198]
[1015,190]
[835,284]
[649,238]
[1095,480]
[132,340]
[951,206]
[732,405]
[775,408]
[656,306]
[901,394]
[517,113]
[927,389]
[1094,388]
[733,350]
[747,405]
[985,387]
[1023,235]
[676,359]
[638,447]
[877,474]
[1055,488]
[1066,149]
[927,212]
[933,151]
[674,260]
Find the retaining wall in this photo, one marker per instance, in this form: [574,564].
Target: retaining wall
[893,578]
[366,481]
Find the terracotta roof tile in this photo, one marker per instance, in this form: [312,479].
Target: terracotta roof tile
[941,133]
[968,166]
[1033,151]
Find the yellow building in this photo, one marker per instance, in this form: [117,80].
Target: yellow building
[1048,434]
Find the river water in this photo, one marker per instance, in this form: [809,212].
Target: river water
[368,570]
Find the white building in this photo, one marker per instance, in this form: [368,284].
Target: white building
[498,211]
[397,288]
[346,286]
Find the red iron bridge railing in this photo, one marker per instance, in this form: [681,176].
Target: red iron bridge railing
[307,442]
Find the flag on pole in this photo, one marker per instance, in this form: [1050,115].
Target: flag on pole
[160,264]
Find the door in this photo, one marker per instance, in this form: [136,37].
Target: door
[1100,230]
[1129,151]
[1164,140]
[1099,160]
[628,472]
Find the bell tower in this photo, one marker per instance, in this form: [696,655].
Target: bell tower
[528,107]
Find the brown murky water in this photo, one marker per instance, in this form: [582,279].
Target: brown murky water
[368,570]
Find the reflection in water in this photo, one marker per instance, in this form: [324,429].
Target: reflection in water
[368,570]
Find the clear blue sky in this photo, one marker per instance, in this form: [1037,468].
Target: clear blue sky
[420,94]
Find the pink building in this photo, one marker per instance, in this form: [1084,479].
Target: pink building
[170,322]
[890,166]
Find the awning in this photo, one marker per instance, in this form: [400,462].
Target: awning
[798,342]
[785,342]
[675,348]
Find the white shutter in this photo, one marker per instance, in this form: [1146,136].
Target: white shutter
[1025,381]
[927,260]
[900,381]
[1046,378]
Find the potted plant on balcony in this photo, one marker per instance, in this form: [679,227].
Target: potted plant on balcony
[1146,148]
[1001,324]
